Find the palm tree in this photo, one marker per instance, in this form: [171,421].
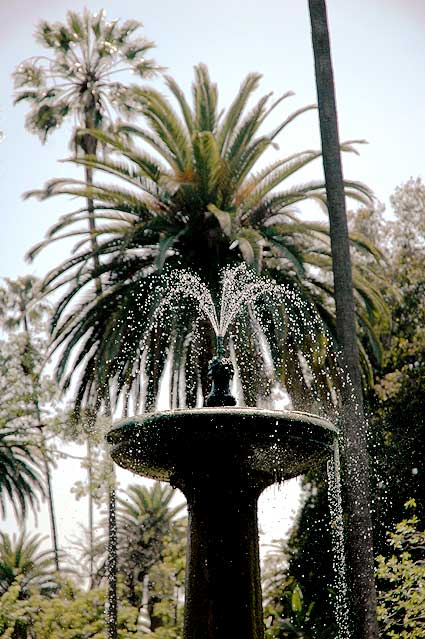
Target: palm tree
[146,522]
[359,530]
[78,80]
[22,556]
[197,202]
[22,310]
[20,480]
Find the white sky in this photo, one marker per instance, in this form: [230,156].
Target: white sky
[378,53]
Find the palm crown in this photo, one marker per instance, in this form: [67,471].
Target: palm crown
[22,557]
[146,518]
[78,78]
[197,201]
[21,482]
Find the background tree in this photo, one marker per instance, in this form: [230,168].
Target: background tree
[357,492]
[396,405]
[90,429]
[310,551]
[151,553]
[401,602]
[288,612]
[145,518]
[196,203]
[69,613]
[165,605]
[22,556]
[78,80]
[20,480]
[23,312]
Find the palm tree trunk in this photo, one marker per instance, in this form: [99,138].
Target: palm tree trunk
[90,148]
[90,509]
[90,145]
[359,529]
[47,474]
[112,616]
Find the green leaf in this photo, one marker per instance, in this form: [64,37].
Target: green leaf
[165,245]
[223,217]
[297,600]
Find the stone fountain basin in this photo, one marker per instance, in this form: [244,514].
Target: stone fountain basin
[266,445]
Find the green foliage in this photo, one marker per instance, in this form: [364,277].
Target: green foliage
[288,613]
[166,587]
[200,202]
[396,406]
[78,77]
[68,614]
[310,555]
[151,576]
[401,579]
[28,394]
[151,555]
[22,557]
[28,397]
[20,480]
[146,522]
[36,604]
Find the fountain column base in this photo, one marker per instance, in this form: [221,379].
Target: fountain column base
[223,587]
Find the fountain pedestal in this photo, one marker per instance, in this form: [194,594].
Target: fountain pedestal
[223,589]
[222,459]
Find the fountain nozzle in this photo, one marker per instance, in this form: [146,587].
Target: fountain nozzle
[220,346]
[220,371]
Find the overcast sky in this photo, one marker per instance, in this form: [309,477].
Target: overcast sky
[378,53]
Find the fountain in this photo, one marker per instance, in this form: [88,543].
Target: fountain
[222,457]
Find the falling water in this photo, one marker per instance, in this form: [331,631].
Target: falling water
[304,347]
[240,287]
[268,309]
[337,533]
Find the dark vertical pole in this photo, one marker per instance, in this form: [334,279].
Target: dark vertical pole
[112,560]
[112,617]
[90,508]
[50,501]
[48,476]
[359,529]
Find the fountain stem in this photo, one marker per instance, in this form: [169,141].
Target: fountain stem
[223,585]
[220,372]
[220,346]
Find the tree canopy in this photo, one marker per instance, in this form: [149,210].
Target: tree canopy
[198,200]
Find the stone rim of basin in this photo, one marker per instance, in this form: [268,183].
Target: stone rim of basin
[273,444]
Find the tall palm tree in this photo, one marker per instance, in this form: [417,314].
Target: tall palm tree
[23,556]
[78,80]
[359,529]
[197,201]
[22,310]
